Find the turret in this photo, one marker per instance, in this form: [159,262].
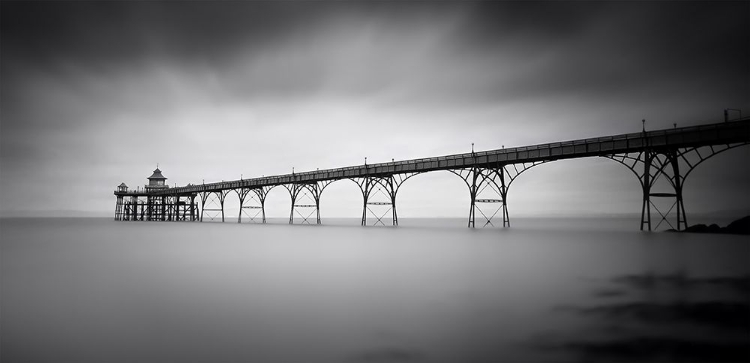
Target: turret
[156,180]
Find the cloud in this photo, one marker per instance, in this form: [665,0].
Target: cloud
[215,90]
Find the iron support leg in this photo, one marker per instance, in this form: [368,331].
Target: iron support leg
[473,195]
[681,216]
[646,184]
[239,215]
[203,207]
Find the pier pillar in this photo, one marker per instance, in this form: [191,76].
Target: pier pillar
[646,186]
[241,193]
[149,207]
[379,196]
[488,186]
[670,166]
[118,208]
[252,204]
[262,193]
[379,199]
[134,208]
[306,200]
[215,201]
[143,206]
[678,181]
[192,207]
[657,165]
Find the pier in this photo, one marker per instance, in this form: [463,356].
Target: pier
[668,155]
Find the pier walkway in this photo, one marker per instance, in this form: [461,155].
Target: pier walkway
[668,154]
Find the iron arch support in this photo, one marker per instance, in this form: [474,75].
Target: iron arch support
[380,192]
[312,193]
[672,165]
[261,193]
[253,205]
[653,165]
[241,193]
[715,150]
[215,201]
[493,180]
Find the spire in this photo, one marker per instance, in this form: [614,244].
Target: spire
[157,174]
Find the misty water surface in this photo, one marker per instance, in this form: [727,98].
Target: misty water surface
[95,290]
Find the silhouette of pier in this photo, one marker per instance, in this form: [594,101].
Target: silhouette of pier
[667,155]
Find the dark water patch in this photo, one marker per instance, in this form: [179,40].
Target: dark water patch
[654,349]
[728,315]
[679,319]
[682,280]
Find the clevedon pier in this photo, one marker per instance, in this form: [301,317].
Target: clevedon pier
[661,160]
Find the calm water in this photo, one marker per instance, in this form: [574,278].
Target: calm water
[95,290]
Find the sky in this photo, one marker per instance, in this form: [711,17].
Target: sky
[93,94]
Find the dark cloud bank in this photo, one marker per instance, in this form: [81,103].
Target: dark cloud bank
[81,81]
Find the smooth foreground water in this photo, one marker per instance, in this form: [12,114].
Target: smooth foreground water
[95,290]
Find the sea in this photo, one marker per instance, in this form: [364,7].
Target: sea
[429,290]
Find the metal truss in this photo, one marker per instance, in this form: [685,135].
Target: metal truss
[215,201]
[155,208]
[118,208]
[140,210]
[170,206]
[188,206]
[379,196]
[143,206]
[489,186]
[127,213]
[134,210]
[672,165]
[253,203]
[180,208]
[306,200]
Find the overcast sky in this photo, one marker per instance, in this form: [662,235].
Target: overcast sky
[97,93]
